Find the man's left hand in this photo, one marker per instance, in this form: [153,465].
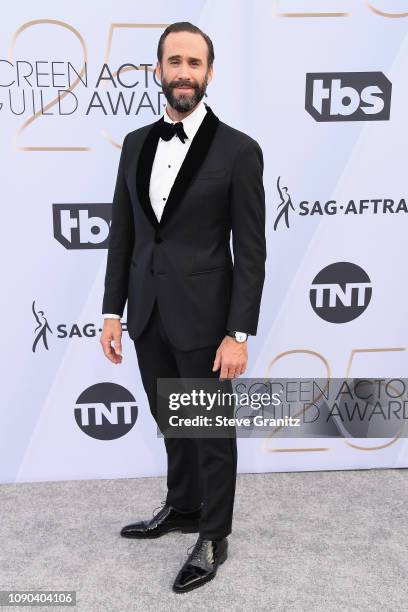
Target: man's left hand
[231,357]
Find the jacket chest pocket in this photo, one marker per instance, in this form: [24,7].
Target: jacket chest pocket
[211,174]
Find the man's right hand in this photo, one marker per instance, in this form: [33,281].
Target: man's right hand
[112,330]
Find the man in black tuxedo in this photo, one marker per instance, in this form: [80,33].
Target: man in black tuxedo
[184,183]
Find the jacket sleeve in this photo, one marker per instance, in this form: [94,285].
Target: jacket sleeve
[247,206]
[120,244]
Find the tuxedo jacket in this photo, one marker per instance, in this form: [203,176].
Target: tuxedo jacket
[184,261]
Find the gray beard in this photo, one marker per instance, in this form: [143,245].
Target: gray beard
[184,104]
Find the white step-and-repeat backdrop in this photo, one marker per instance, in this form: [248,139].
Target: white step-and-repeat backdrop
[322,85]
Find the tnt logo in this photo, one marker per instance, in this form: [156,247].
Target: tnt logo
[348,96]
[106,411]
[82,226]
[340,292]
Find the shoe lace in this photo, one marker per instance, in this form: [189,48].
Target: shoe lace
[162,504]
[197,553]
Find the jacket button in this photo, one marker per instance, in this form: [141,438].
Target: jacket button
[158,239]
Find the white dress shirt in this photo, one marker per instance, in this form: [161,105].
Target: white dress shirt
[169,157]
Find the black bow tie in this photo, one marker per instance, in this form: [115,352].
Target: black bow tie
[168,130]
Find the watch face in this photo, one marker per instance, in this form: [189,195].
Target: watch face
[240,336]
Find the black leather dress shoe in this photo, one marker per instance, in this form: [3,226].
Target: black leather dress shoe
[201,565]
[167,519]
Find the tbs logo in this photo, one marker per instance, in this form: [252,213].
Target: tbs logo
[82,226]
[348,96]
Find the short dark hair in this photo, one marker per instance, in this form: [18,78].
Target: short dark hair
[185,26]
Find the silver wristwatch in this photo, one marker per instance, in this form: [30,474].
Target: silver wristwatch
[238,336]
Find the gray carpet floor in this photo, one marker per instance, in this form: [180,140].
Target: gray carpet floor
[303,541]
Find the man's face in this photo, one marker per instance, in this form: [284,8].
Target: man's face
[184,73]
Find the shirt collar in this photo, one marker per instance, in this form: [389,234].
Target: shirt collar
[192,122]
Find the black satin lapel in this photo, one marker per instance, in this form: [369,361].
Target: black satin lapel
[144,170]
[192,162]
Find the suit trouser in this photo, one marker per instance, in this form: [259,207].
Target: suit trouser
[201,472]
